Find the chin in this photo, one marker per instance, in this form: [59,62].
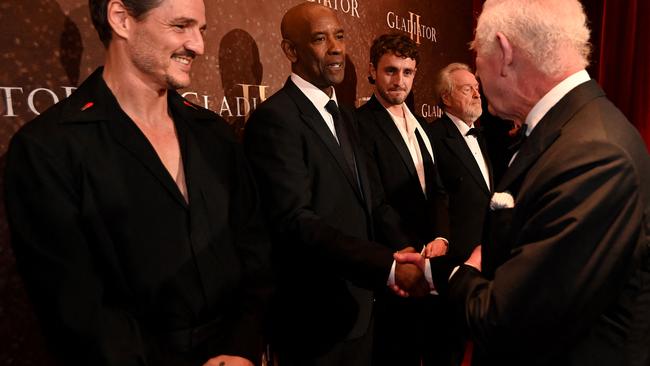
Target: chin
[177,83]
[335,80]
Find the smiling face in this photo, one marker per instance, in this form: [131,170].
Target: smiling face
[166,41]
[316,46]
[393,78]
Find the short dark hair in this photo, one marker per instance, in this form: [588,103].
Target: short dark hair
[398,44]
[98,13]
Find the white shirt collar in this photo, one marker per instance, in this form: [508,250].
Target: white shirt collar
[552,97]
[462,126]
[315,95]
[411,117]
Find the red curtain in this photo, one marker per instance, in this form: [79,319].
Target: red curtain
[623,55]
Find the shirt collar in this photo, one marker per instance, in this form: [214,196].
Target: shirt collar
[315,95]
[410,118]
[552,97]
[462,126]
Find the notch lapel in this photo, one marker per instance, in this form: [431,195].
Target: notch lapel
[546,132]
[314,120]
[458,146]
[387,125]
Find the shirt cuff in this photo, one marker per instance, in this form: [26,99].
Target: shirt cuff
[391,276]
[443,239]
[453,272]
[429,277]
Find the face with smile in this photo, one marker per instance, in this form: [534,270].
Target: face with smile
[393,77]
[315,45]
[464,100]
[165,42]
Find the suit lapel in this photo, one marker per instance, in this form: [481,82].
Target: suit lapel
[364,180]
[483,145]
[546,132]
[458,146]
[309,114]
[387,125]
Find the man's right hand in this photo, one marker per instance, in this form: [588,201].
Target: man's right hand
[409,278]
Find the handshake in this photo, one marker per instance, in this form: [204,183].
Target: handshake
[410,279]
[410,266]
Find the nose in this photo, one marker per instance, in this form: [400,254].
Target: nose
[475,92]
[398,78]
[195,42]
[336,46]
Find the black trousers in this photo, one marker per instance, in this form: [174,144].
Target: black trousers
[414,332]
[352,352]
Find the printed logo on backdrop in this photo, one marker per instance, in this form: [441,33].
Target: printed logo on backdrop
[349,7]
[13,95]
[411,24]
[39,99]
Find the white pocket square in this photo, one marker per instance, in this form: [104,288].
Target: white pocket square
[501,200]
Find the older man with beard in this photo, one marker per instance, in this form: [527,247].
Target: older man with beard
[462,157]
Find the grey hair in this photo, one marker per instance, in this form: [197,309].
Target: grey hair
[444,84]
[543,29]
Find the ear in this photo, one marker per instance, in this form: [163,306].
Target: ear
[372,71]
[289,50]
[118,18]
[445,99]
[505,51]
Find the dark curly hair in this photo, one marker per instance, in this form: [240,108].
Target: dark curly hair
[398,44]
[98,13]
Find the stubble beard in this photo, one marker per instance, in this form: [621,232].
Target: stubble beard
[472,113]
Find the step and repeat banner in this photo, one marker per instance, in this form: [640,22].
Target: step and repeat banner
[48,47]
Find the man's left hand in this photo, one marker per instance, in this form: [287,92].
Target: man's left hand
[435,248]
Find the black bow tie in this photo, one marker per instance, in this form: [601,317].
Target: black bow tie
[474,131]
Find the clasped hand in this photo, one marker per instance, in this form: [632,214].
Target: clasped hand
[410,266]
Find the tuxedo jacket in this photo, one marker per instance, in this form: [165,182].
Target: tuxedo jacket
[424,217]
[321,223]
[573,285]
[121,269]
[469,195]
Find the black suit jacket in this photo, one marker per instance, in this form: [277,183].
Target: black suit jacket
[424,217]
[121,269]
[322,225]
[469,196]
[574,286]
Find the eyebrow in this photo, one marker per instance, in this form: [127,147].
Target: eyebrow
[188,21]
[325,31]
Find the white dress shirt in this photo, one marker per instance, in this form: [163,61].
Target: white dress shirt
[407,124]
[474,147]
[553,96]
[550,99]
[318,98]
